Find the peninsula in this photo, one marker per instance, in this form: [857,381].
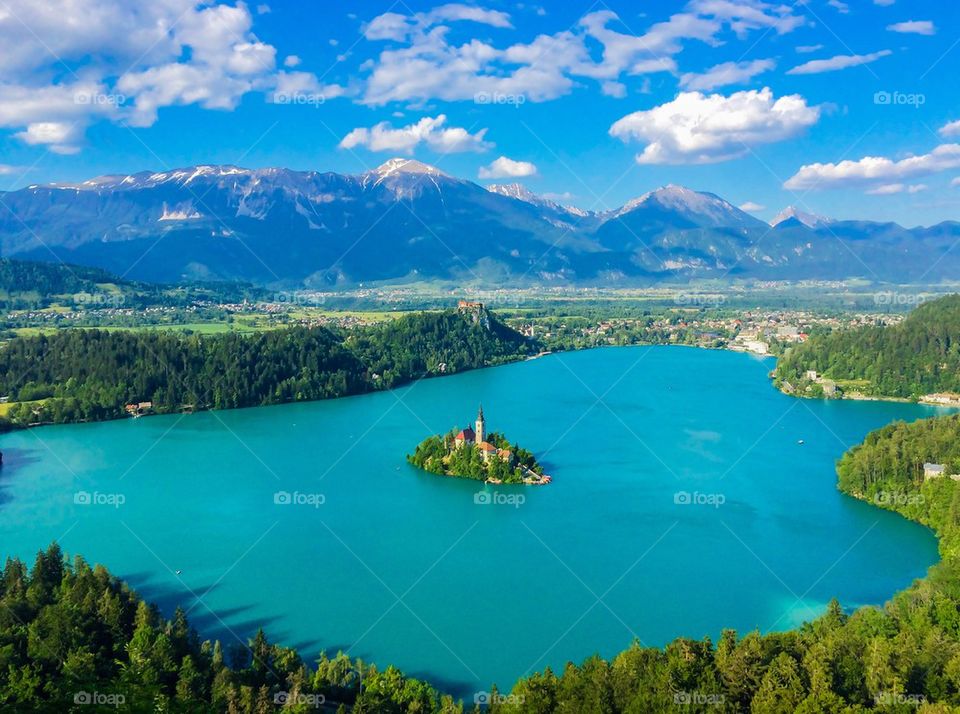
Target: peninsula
[475,453]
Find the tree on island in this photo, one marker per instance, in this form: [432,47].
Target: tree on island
[477,455]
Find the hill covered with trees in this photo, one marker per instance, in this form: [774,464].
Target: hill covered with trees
[75,375]
[918,356]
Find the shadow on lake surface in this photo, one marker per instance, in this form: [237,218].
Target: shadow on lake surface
[13,461]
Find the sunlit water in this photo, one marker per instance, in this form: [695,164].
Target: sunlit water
[401,567]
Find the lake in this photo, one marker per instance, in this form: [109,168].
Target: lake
[682,503]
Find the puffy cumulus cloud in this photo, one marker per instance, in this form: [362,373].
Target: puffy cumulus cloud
[875,169]
[832,64]
[914,27]
[73,62]
[695,128]
[950,129]
[507,168]
[60,137]
[398,27]
[751,207]
[429,131]
[423,64]
[726,73]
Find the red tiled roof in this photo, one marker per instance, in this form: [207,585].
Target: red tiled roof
[487,446]
[466,435]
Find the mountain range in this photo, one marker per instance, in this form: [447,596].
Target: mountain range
[407,221]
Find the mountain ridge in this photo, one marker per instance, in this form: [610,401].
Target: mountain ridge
[408,221]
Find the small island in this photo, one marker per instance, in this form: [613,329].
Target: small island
[476,454]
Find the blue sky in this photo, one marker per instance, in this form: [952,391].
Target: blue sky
[842,108]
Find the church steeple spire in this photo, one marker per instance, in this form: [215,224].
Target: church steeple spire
[481,426]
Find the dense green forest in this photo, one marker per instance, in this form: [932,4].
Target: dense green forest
[438,455]
[75,375]
[72,633]
[29,285]
[74,638]
[918,356]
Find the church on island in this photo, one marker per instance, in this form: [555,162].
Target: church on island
[469,437]
[478,453]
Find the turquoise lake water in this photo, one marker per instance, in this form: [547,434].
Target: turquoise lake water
[401,567]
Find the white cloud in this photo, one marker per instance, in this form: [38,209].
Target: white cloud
[696,128]
[507,168]
[884,3]
[614,89]
[751,207]
[7,169]
[61,138]
[291,61]
[889,189]
[397,27]
[955,182]
[807,49]
[429,131]
[425,65]
[839,6]
[871,169]
[886,189]
[950,129]
[726,73]
[86,60]
[839,62]
[915,27]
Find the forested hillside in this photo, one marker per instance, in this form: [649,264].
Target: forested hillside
[921,355]
[74,638]
[76,374]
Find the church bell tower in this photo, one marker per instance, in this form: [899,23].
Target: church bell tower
[481,427]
